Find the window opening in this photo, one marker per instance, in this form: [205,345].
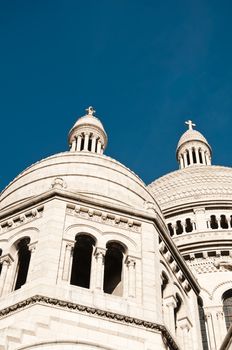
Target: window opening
[223,222]
[82,259]
[227,307]
[188,158]
[213,222]
[24,256]
[194,156]
[113,269]
[179,228]
[200,157]
[170,228]
[189,225]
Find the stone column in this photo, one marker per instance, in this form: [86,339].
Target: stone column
[99,145]
[86,141]
[221,329]
[67,261]
[185,159]
[210,330]
[99,274]
[185,327]
[197,155]
[181,162]
[31,248]
[79,138]
[130,262]
[73,146]
[207,158]
[93,146]
[202,156]
[170,304]
[6,261]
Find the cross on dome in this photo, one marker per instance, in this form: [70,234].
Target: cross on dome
[90,110]
[190,124]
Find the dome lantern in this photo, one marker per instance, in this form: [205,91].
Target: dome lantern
[88,134]
[193,148]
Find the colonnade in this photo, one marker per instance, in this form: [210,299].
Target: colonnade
[194,156]
[87,142]
[97,269]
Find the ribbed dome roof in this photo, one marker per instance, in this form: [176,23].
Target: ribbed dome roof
[193,184]
[85,173]
[191,135]
[90,121]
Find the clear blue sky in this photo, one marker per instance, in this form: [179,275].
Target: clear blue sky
[145,66]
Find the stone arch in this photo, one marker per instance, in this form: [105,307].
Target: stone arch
[72,231]
[31,232]
[129,244]
[66,345]
[219,290]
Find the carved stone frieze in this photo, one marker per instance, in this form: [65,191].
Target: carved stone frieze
[103,217]
[211,264]
[44,300]
[21,219]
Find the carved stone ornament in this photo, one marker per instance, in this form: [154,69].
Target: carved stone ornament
[59,183]
[103,217]
[21,219]
[223,264]
[39,299]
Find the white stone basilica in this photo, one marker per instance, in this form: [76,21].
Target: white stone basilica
[93,259]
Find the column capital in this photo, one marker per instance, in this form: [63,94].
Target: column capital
[100,252]
[185,323]
[69,244]
[32,246]
[170,301]
[130,261]
[6,259]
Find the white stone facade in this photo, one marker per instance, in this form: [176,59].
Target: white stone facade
[88,259]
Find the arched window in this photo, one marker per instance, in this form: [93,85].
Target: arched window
[194,156]
[223,222]
[227,307]
[188,225]
[202,324]
[113,283]
[24,256]
[170,228]
[82,260]
[179,228]
[188,158]
[213,222]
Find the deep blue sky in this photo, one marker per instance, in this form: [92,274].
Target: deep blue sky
[146,67]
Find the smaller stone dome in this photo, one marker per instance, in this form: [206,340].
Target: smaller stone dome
[191,135]
[88,134]
[193,148]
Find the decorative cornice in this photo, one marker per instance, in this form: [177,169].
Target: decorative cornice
[40,299]
[103,217]
[21,219]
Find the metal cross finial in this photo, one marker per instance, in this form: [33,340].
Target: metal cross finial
[90,110]
[190,124]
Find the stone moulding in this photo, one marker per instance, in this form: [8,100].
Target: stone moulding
[44,300]
[103,217]
[21,219]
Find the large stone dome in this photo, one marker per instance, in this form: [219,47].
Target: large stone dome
[193,185]
[86,173]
